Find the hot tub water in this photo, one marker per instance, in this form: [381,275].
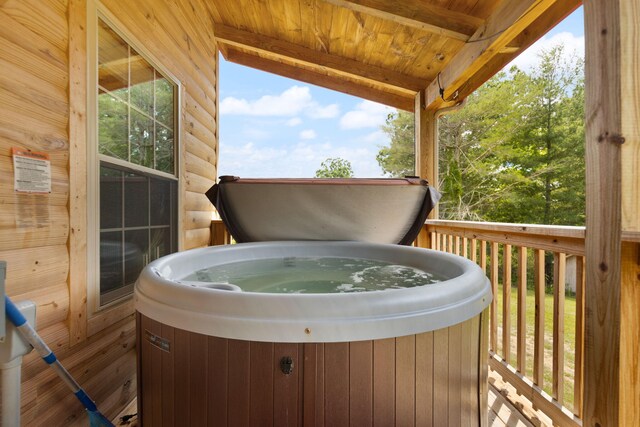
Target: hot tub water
[315,275]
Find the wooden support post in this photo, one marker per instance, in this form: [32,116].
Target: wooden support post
[612,294]
[77,172]
[426,145]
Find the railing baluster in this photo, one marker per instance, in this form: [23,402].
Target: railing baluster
[559,276]
[522,309]
[483,256]
[458,238]
[474,249]
[578,374]
[433,242]
[538,334]
[494,303]
[506,303]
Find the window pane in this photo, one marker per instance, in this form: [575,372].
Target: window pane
[110,198]
[161,202]
[165,105]
[136,200]
[113,61]
[111,270]
[160,243]
[164,150]
[141,139]
[141,83]
[113,127]
[136,253]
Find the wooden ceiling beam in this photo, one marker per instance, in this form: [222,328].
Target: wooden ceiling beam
[509,20]
[423,16]
[257,42]
[317,78]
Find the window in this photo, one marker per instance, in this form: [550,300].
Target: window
[136,159]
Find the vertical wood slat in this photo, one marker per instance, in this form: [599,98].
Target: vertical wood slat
[336,384]
[483,255]
[405,380]
[361,383]
[494,289]
[424,379]
[440,377]
[522,311]
[168,375]
[474,250]
[384,399]
[455,383]
[457,245]
[261,383]
[285,409]
[181,369]
[198,396]
[433,240]
[538,340]
[437,242]
[465,247]
[450,243]
[579,343]
[239,403]
[559,280]
[219,377]
[506,303]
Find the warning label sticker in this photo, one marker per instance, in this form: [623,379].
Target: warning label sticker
[32,171]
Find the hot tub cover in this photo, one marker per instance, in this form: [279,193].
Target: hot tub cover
[383,210]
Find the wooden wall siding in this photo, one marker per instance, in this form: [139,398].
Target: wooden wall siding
[35,104]
[429,379]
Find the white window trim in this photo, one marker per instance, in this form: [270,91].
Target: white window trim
[96,10]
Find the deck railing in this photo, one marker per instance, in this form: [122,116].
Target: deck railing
[536,327]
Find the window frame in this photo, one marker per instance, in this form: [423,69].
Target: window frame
[96,11]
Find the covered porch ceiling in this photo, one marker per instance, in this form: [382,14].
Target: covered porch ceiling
[384,50]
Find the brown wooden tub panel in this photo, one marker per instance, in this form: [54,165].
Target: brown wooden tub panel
[430,379]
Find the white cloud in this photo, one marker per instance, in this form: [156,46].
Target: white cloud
[308,134]
[255,134]
[366,114]
[293,122]
[299,160]
[327,112]
[292,102]
[573,45]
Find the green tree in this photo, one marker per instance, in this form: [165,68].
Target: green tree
[514,153]
[335,168]
[398,159]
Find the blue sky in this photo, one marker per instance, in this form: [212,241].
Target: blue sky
[271,126]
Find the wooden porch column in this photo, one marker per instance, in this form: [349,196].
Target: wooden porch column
[612,343]
[426,142]
[426,148]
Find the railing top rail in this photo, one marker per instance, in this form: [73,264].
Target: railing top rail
[538,229]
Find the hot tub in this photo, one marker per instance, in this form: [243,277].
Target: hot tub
[213,353]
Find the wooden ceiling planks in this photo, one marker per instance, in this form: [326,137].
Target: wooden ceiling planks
[373,48]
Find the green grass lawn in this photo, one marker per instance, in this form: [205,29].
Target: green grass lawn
[569,338]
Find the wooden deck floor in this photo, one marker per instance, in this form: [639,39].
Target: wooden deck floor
[501,413]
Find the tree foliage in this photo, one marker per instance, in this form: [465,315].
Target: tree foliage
[335,168]
[398,159]
[514,153]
